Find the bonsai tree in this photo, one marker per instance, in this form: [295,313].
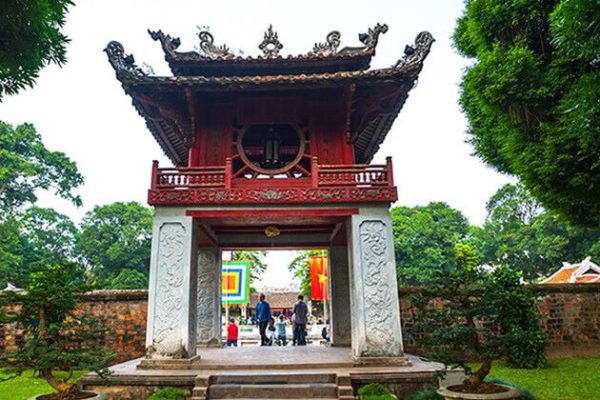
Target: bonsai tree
[469,314]
[56,336]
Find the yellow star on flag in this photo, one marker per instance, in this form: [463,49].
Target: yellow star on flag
[322,278]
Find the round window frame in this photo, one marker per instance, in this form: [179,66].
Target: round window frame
[276,171]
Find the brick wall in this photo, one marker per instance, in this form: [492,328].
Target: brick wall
[570,317]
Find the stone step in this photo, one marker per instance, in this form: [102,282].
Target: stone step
[273,378]
[273,391]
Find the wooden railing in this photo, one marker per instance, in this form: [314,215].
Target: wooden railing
[353,175]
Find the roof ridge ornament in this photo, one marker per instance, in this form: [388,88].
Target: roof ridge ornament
[168,43]
[370,38]
[210,50]
[330,46]
[124,65]
[270,45]
[417,53]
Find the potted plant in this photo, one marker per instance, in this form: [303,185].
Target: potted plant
[56,336]
[467,314]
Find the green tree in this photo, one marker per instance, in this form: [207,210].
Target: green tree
[30,38]
[56,337]
[128,279]
[116,237]
[32,239]
[424,239]
[520,234]
[467,314]
[531,97]
[300,267]
[27,165]
[257,261]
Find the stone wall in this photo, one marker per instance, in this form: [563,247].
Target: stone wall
[122,312]
[570,316]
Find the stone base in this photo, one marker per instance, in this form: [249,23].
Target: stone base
[399,361]
[169,363]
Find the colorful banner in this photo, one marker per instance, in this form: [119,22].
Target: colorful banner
[235,282]
[319,278]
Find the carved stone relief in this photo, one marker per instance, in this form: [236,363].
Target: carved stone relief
[380,322]
[170,290]
[208,301]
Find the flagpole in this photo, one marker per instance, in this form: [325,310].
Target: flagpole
[324,282]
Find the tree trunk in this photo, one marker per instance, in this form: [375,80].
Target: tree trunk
[477,378]
[57,384]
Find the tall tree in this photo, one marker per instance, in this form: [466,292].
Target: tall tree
[257,261]
[115,237]
[300,267]
[520,234]
[425,239]
[531,97]
[26,165]
[30,38]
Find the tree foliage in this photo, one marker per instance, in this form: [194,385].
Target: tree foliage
[56,337]
[26,165]
[30,38]
[300,267]
[116,237]
[424,239]
[520,234]
[531,98]
[256,258]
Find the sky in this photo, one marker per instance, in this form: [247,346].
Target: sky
[81,110]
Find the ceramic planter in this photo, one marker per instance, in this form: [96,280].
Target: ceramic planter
[96,396]
[510,393]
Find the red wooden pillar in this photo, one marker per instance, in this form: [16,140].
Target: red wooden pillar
[154,175]
[390,171]
[228,173]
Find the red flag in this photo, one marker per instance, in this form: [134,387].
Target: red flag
[319,279]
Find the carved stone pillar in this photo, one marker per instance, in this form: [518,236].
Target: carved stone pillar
[376,329]
[171,326]
[339,287]
[209,297]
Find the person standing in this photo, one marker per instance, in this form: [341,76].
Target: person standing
[300,311]
[263,315]
[232,333]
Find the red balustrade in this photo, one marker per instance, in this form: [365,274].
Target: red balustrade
[322,176]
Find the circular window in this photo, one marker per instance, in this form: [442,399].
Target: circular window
[271,149]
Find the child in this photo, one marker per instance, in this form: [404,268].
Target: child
[281,324]
[271,329]
[232,333]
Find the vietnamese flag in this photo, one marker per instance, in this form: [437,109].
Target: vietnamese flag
[319,280]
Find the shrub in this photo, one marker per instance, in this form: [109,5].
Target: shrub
[375,391]
[168,393]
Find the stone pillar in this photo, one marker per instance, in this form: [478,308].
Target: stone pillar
[209,297]
[339,288]
[375,311]
[171,326]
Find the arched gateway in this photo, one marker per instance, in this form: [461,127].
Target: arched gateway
[276,143]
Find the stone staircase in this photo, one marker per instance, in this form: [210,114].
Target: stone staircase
[273,385]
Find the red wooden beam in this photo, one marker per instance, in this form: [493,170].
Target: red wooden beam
[333,212]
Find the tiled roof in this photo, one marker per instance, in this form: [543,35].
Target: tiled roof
[585,272]
[368,129]
[276,299]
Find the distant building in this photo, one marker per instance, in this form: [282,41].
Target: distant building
[584,272]
[280,302]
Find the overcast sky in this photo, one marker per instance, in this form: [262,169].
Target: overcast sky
[80,109]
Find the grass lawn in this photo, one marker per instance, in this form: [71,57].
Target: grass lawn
[25,386]
[563,379]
